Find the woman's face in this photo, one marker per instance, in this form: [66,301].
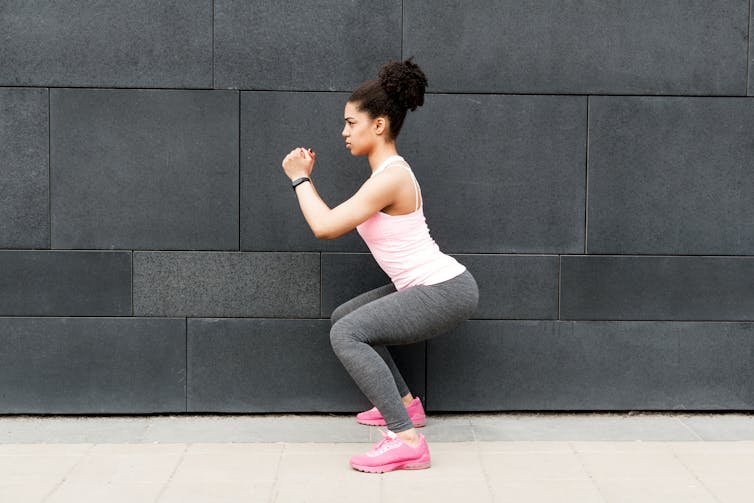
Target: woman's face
[360,130]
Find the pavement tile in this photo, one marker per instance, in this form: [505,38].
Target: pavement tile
[728,446]
[620,446]
[311,462]
[729,461]
[448,429]
[592,427]
[225,463]
[545,491]
[127,463]
[524,446]
[235,448]
[421,487]
[100,490]
[515,466]
[366,490]
[73,429]
[731,491]
[248,491]
[30,463]
[658,490]
[255,428]
[453,446]
[640,464]
[721,427]
[224,473]
[50,450]
[452,464]
[321,472]
[24,491]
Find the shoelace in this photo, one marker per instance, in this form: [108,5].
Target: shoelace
[389,442]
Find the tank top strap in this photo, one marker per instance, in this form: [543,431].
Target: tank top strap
[404,165]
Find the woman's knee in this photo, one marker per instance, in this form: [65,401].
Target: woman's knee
[340,336]
[345,334]
[337,314]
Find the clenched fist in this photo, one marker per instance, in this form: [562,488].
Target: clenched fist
[299,162]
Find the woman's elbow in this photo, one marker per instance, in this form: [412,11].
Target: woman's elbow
[321,233]
[325,233]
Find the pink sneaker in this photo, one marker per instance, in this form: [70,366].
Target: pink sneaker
[372,417]
[392,453]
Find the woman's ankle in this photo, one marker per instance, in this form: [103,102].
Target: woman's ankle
[409,437]
[408,399]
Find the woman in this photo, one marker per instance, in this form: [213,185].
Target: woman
[430,292]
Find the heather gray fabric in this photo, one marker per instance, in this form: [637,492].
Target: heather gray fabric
[383,351]
[364,326]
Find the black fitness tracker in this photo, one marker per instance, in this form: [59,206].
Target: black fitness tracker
[299,181]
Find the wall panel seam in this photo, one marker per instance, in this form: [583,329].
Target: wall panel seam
[238,168]
[560,283]
[212,29]
[133,309]
[403,28]
[426,373]
[656,255]
[49,162]
[748,51]
[500,92]
[647,320]
[574,94]
[586,180]
[186,364]
[475,320]
[321,287]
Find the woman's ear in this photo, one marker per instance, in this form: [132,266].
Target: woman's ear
[380,124]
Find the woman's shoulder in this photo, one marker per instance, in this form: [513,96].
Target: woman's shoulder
[393,164]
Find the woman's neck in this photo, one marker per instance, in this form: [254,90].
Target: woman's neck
[379,154]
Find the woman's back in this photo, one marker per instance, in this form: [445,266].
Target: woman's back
[402,244]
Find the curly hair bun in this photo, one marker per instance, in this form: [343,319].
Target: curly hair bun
[404,82]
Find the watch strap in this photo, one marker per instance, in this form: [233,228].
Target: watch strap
[298,181]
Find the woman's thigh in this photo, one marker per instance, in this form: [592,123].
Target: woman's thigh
[360,300]
[412,315]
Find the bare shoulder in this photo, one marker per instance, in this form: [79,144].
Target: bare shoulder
[398,172]
[391,176]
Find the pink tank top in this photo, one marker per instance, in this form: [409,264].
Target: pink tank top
[402,246]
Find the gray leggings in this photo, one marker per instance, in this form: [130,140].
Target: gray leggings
[364,326]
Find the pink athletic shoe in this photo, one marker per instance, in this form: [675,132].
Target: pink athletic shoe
[373,417]
[392,453]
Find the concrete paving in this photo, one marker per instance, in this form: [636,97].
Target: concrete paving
[481,458]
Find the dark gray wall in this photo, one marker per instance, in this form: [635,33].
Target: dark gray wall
[590,161]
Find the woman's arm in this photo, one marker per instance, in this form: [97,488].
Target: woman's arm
[375,194]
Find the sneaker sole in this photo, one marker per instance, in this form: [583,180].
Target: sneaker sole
[414,465]
[381,422]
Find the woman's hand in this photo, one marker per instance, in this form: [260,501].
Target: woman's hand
[299,162]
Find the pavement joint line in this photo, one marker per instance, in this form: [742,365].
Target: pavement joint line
[274,490]
[592,480]
[172,474]
[472,427]
[68,473]
[382,487]
[694,474]
[487,479]
[688,427]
